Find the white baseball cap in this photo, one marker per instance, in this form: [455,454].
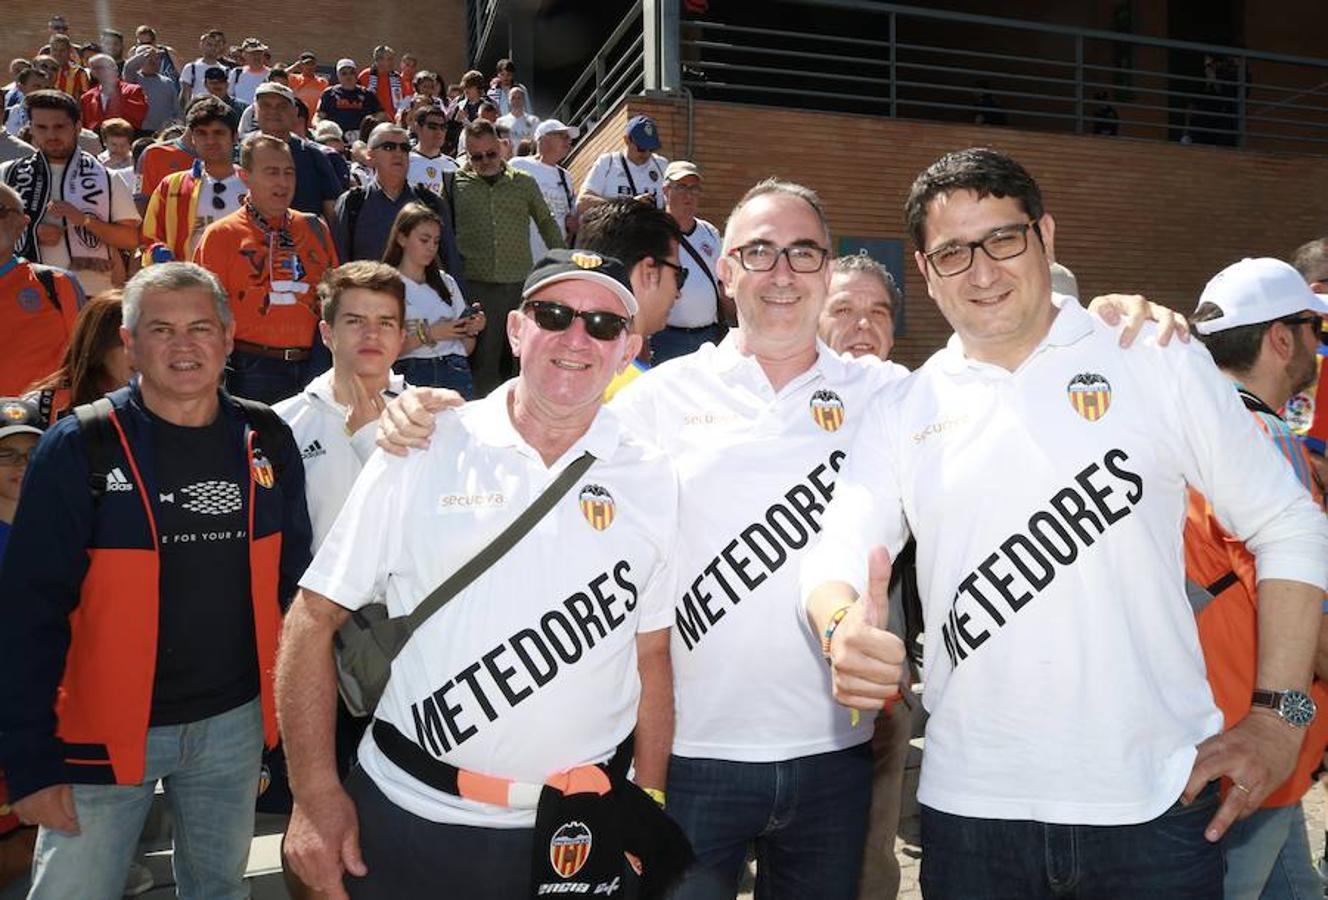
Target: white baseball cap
[550,126]
[346,64]
[1254,291]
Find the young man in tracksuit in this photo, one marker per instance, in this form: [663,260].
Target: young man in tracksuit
[153,548]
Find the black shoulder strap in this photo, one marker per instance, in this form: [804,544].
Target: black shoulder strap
[567,188]
[46,276]
[705,270]
[505,541]
[269,428]
[631,183]
[94,424]
[354,203]
[904,573]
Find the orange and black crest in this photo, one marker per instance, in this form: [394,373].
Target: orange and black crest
[262,469]
[570,848]
[597,506]
[827,410]
[1090,395]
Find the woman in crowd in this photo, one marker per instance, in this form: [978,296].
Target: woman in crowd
[94,364]
[440,329]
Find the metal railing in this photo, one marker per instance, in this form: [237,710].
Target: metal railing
[866,57]
[617,69]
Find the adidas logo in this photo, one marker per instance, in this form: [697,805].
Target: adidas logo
[116,481]
[314,449]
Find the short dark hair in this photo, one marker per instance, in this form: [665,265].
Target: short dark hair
[423,115]
[486,106]
[29,74]
[207,110]
[52,99]
[1234,349]
[481,128]
[115,127]
[472,78]
[253,142]
[628,230]
[985,172]
[1311,260]
[368,274]
[505,65]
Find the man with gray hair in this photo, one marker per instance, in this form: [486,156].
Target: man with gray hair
[161,531]
[859,314]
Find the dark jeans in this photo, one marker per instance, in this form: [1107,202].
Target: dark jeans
[806,816]
[493,362]
[265,380]
[451,371]
[674,342]
[1167,858]
[410,857]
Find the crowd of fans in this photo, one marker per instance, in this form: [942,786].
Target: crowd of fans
[348,238]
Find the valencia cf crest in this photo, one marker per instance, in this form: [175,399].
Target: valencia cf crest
[584,259]
[570,848]
[597,506]
[262,469]
[13,412]
[827,410]
[1090,395]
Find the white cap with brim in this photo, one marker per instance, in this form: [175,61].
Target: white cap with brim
[346,64]
[1254,291]
[553,126]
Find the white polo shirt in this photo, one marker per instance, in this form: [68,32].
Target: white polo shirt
[698,303]
[531,670]
[559,192]
[756,469]
[614,176]
[332,459]
[1064,678]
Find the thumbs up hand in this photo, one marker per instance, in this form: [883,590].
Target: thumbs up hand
[867,662]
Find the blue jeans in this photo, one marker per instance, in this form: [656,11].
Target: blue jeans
[674,342]
[209,770]
[1268,857]
[806,816]
[265,380]
[451,371]
[1167,858]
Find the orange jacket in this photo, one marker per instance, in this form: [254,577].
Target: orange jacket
[36,330]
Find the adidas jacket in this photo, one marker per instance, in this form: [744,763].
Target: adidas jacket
[79,606]
[332,459]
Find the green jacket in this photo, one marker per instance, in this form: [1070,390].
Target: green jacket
[493,224]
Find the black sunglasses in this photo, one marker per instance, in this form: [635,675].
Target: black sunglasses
[218,201]
[601,325]
[403,146]
[480,157]
[681,272]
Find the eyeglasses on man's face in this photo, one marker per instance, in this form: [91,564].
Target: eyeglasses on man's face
[760,256]
[1002,243]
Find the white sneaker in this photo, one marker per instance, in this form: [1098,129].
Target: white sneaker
[139,881]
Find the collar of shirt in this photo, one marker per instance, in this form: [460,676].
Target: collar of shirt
[9,266]
[321,388]
[727,357]
[491,424]
[1072,324]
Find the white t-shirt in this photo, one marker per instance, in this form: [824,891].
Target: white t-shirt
[423,302]
[429,170]
[698,304]
[192,73]
[122,210]
[559,192]
[332,460]
[231,195]
[756,469]
[243,83]
[531,670]
[521,127]
[1064,675]
[614,175]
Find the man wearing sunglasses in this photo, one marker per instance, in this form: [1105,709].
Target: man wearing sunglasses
[534,698]
[428,163]
[187,202]
[1042,471]
[495,205]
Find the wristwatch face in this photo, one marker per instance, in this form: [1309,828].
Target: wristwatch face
[1297,708]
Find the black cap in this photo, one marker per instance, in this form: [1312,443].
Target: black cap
[18,416]
[581,265]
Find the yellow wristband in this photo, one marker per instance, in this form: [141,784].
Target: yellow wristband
[656,795]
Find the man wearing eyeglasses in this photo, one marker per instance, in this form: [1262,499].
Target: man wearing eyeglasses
[561,645]
[185,203]
[495,205]
[1073,737]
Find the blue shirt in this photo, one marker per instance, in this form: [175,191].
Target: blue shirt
[315,180]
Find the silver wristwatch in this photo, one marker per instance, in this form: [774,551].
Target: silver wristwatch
[1295,707]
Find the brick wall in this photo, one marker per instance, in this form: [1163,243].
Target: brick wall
[436,32]
[1131,216]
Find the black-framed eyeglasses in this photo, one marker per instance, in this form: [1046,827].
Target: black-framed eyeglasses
[393,146]
[678,270]
[481,157]
[1005,242]
[600,324]
[10,457]
[218,201]
[762,257]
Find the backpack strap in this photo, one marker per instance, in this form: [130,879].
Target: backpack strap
[46,275]
[94,424]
